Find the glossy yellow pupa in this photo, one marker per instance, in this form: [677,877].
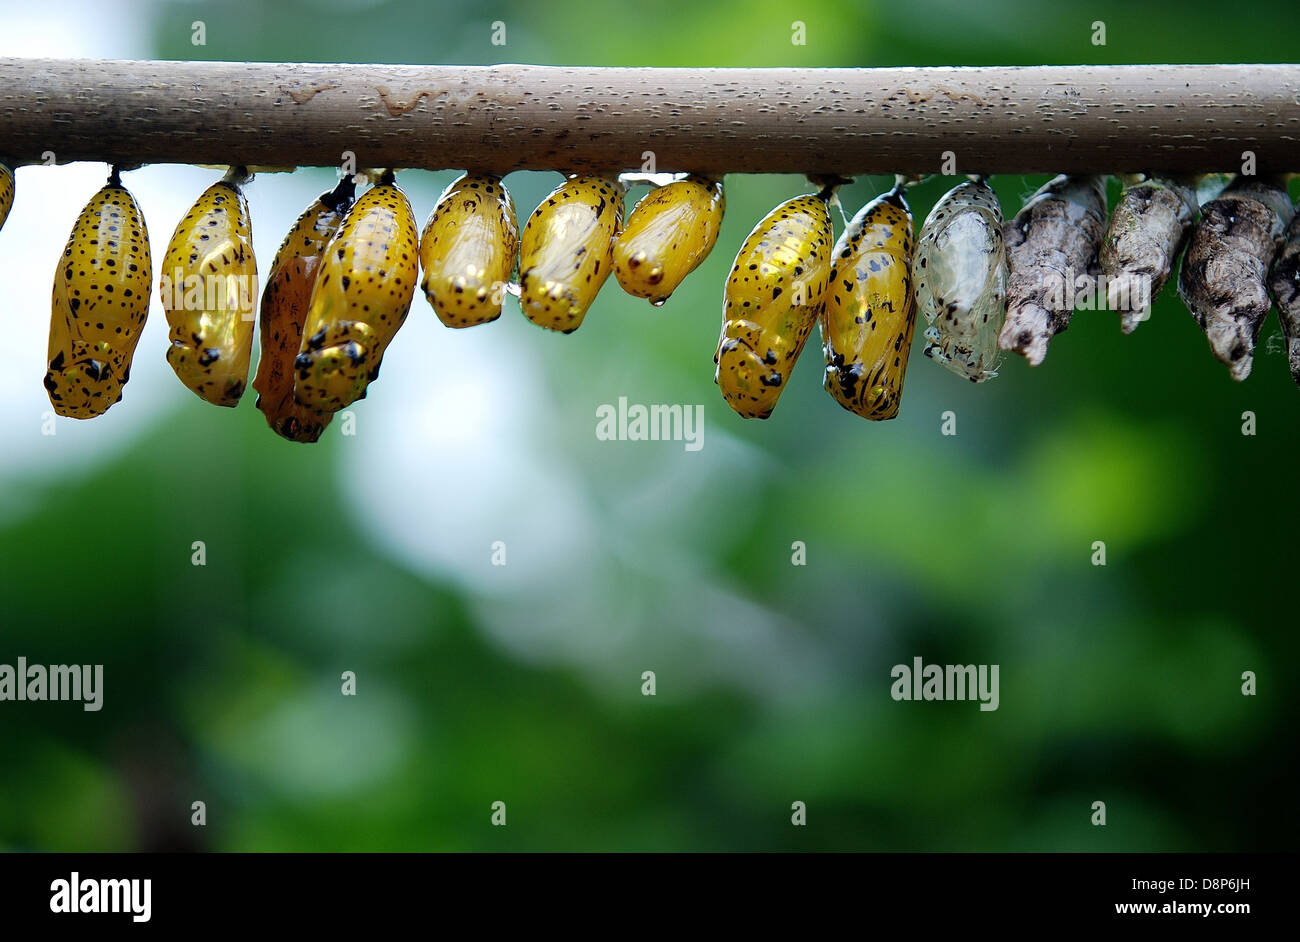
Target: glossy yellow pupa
[468,251]
[360,299]
[771,301]
[870,309]
[670,231]
[100,302]
[284,311]
[6,193]
[209,289]
[566,251]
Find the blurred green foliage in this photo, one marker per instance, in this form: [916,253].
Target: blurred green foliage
[1119,683]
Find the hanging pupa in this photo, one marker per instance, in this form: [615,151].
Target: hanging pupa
[1147,230]
[961,280]
[285,301]
[772,299]
[1285,285]
[468,250]
[360,299]
[6,193]
[1051,243]
[100,303]
[566,251]
[869,311]
[209,288]
[669,233]
[1224,279]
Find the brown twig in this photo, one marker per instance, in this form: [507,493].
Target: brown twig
[1074,119]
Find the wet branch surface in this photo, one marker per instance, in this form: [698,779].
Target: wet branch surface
[1072,119]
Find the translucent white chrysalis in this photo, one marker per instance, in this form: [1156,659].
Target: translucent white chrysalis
[961,280]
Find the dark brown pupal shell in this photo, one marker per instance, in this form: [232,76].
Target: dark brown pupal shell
[1285,285]
[1224,281]
[1051,242]
[1148,229]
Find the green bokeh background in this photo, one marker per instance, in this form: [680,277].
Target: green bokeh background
[1118,683]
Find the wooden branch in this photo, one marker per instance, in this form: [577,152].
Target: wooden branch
[995,120]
